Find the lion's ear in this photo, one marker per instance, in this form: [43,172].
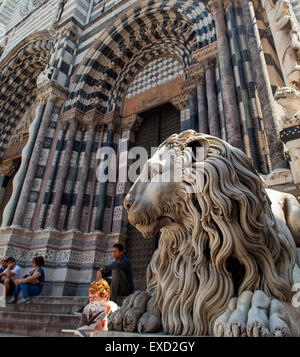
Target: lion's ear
[199,146]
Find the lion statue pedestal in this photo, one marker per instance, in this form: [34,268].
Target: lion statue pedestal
[225,264]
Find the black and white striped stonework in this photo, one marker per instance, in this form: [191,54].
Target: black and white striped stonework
[147,30]
[18,81]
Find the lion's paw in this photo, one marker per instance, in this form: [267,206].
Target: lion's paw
[132,315]
[258,321]
[151,319]
[115,320]
[280,322]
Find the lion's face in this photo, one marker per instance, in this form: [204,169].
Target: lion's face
[153,201]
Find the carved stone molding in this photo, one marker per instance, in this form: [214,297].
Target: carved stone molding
[181,102]
[8,168]
[93,118]
[51,91]
[112,120]
[131,122]
[195,71]
[189,86]
[206,53]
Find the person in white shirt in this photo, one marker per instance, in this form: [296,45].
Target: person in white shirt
[9,275]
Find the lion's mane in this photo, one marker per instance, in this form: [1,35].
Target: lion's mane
[230,241]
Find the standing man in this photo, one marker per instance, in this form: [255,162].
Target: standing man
[121,272]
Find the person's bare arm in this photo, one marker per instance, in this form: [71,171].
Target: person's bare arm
[9,272]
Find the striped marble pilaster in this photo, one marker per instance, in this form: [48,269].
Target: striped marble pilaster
[112,121]
[63,168]
[48,93]
[241,88]
[129,125]
[227,78]
[91,124]
[10,208]
[263,85]
[255,108]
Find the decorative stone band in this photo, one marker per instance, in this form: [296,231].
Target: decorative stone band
[221,6]
[181,102]
[51,91]
[85,120]
[131,123]
[8,168]
[205,53]
[291,133]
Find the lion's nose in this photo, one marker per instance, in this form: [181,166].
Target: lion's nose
[127,202]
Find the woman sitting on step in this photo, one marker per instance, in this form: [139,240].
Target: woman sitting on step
[32,284]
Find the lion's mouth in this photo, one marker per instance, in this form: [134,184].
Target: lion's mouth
[149,231]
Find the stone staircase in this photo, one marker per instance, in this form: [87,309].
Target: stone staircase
[44,316]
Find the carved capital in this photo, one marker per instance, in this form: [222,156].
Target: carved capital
[74,114]
[93,118]
[195,71]
[210,64]
[206,53]
[8,168]
[215,6]
[181,102]
[112,120]
[131,122]
[51,91]
[189,86]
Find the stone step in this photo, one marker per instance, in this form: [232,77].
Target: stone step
[37,324]
[43,308]
[59,300]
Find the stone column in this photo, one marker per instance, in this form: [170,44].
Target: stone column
[111,120]
[212,102]
[129,125]
[182,103]
[264,90]
[202,108]
[10,208]
[228,86]
[48,93]
[71,119]
[91,120]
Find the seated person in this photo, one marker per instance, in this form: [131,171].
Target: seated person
[94,315]
[4,263]
[32,284]
[10,274]
[121,272]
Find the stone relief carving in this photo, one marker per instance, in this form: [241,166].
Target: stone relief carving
[289,99]
[45,76]
[22,129]
[217,228]
[285,30]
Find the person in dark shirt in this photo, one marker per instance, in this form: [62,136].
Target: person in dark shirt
[121,273]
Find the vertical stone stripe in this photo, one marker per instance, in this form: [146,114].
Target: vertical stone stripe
[202,109]
[228,86]
[103,189]
[47,196]
[83,179]
[10,208]
[223,128]
[62,175]
[212,105]
[20,210]
[73,182]
[255,109]
[264,89]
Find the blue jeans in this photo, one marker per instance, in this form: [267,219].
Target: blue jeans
[28,289]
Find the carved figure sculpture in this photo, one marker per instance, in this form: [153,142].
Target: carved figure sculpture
[286,37]
[45,76]
[224,264]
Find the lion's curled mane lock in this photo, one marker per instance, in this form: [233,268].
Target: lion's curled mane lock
[224,239]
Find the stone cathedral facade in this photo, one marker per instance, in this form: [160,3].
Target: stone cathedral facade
[78,75]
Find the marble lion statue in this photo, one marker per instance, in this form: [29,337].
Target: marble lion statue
[225,265]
